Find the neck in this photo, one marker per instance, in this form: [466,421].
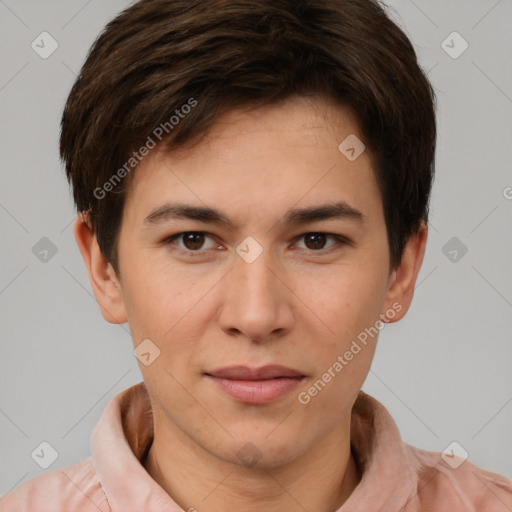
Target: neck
[321,479]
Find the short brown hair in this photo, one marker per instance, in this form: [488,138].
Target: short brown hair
[159,55]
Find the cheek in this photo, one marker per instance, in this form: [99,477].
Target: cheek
[168,309]
[142,301]
[347,302]
[343,359]
[156,299]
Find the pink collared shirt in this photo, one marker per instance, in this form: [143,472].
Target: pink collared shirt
[395,476]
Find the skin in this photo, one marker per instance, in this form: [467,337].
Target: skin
[301,303]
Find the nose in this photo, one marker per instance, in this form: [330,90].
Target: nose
[256,303]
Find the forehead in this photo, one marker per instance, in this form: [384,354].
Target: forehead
[280,154]
[296,120]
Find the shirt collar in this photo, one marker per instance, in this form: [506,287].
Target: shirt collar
[124,434]
[389,471]
[120,440]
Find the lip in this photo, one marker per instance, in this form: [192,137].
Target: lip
[256,385]
[271,371]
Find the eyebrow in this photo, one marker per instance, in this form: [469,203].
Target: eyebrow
[339,210]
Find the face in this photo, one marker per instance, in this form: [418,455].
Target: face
[264,288]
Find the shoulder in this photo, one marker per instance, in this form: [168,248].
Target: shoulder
[453,484]
[74,488]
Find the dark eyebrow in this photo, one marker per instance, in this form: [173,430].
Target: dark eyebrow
[183,211]
[340,210]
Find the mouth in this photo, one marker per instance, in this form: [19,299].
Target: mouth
[256,385]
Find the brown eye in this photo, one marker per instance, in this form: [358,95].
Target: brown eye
[193,241]
[315,241]
[190,243]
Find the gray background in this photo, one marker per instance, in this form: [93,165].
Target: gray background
[444,371]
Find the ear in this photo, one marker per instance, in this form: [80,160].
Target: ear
[403,279]
[104,282]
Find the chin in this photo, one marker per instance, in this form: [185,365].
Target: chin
[261,452]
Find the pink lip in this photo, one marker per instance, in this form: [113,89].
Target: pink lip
[256,386]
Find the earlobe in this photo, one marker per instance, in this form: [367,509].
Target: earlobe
[104,282]
[403,279]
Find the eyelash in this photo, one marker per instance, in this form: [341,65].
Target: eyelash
[190,253]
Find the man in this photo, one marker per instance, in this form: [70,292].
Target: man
[252,180]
